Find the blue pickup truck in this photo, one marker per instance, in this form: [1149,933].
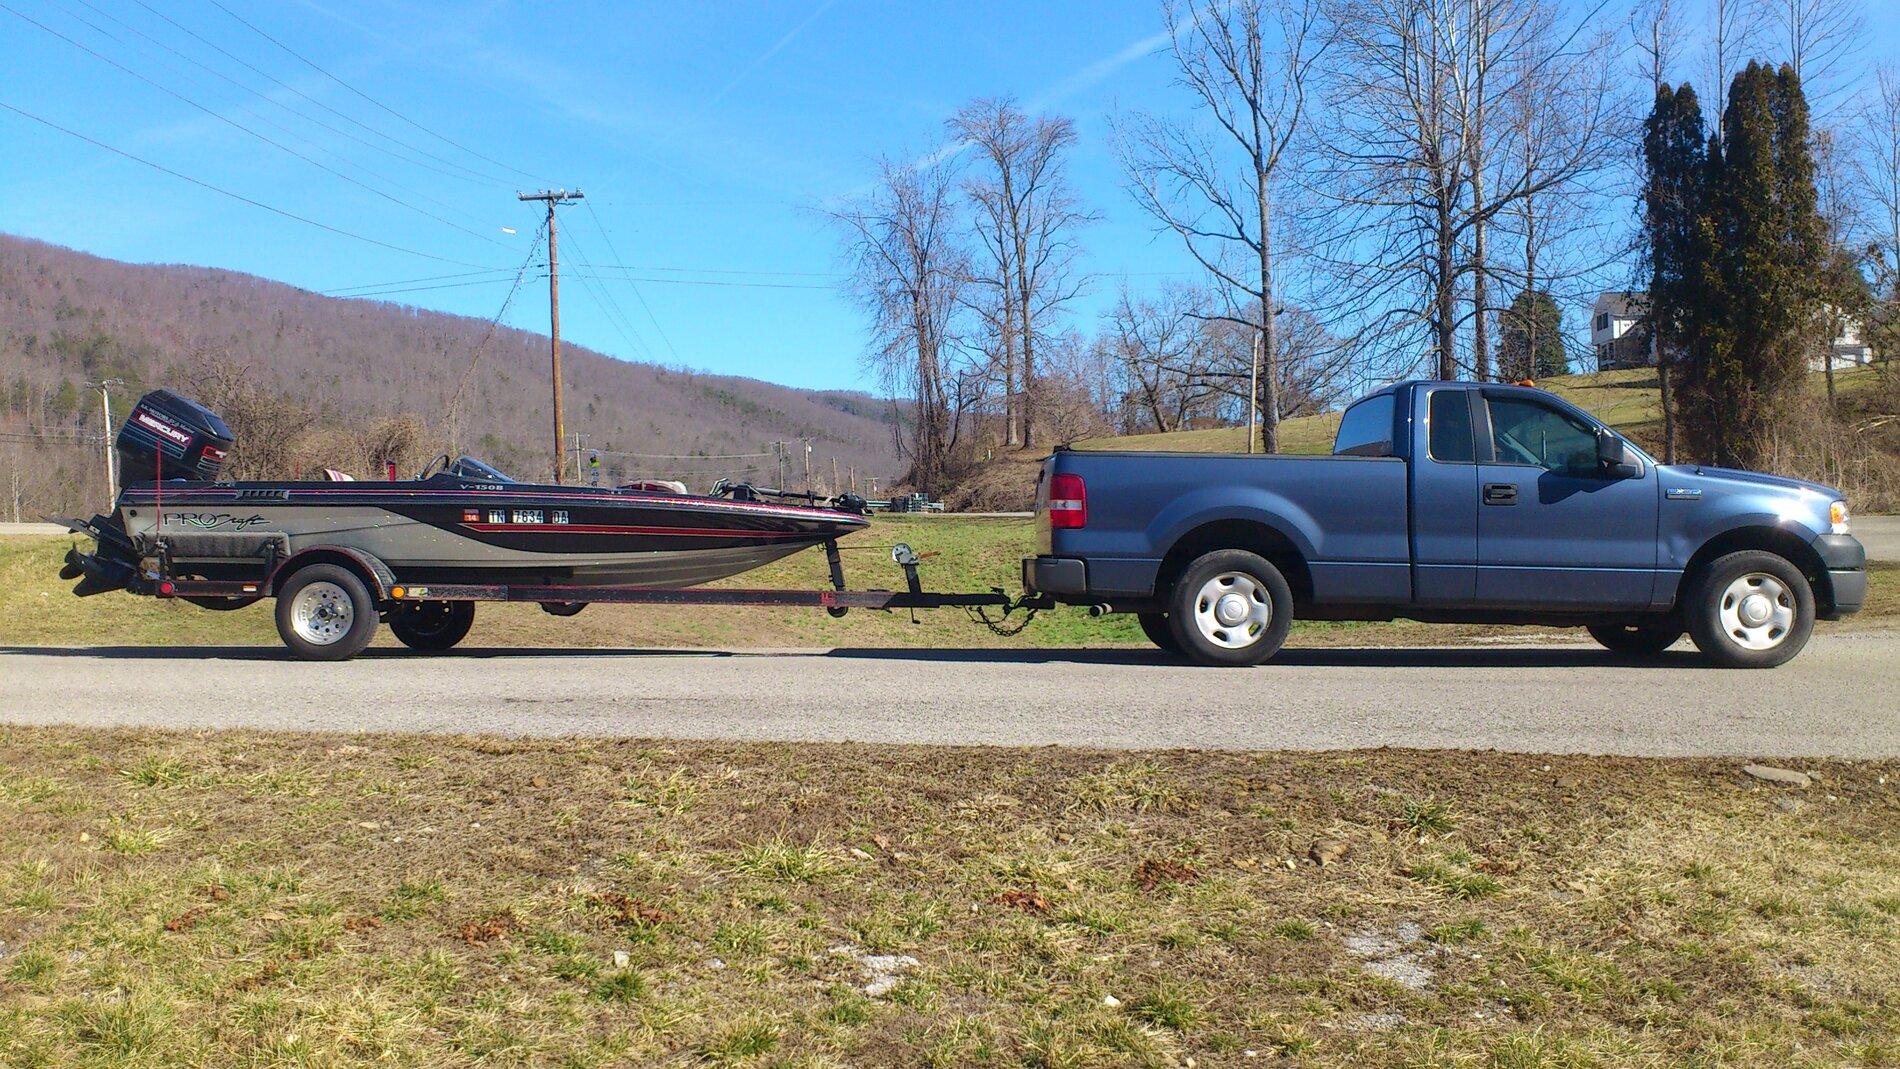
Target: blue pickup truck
[1448,502]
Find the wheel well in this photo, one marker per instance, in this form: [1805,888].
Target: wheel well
[1768,539]
[1250,535]
[365,570]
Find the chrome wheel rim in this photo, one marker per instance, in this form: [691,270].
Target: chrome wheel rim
[1232,610]
[321,613]
[1757,611]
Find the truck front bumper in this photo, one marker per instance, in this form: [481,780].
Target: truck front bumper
[1846,562]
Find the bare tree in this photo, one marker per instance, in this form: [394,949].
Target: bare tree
[1156,343]
[907,270]
[1026,218]
[1877,172]
[1733,30]
[1818,38]
[1247,64]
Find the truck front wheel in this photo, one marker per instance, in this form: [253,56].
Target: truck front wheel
[1750,609]
[1231,608]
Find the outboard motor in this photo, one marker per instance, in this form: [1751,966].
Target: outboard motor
[171,437]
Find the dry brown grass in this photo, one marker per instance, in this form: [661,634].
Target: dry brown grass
[241,898]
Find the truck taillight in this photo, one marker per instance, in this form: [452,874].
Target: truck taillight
[1068,502]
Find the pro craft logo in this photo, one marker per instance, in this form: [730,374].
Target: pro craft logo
[212,521]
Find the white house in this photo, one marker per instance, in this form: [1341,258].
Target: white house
[1617,342]
[1613,335]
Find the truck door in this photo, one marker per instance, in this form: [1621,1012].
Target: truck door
[1555,531]
[1445,497]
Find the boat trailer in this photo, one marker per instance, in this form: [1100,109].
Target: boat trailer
[266,569]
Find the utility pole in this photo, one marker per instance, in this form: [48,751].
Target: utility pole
[808,465]
[1253,393]
[835,488]
[105,404]
[554,197]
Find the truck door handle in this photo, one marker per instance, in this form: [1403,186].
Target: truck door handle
[1500,493]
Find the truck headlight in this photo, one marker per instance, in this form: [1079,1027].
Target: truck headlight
[1837,517]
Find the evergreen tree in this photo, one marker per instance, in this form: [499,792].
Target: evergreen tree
[1675,157]
[1759,290]
[1531,338]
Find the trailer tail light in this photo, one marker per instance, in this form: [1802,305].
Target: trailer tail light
[1068,502]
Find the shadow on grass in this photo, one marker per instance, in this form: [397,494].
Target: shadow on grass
[1426,657]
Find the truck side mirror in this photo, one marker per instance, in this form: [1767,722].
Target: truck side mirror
[1615,457]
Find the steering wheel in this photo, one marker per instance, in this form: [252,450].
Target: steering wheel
[440,463]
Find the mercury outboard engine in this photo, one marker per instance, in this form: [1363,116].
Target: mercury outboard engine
[171,437]
[166,437]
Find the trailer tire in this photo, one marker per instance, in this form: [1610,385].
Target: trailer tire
[431,626]
[325,613]
[1230,608]
[1155,626]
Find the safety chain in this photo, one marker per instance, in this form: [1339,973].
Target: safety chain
[980,614]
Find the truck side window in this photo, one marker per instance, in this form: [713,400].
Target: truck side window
[1525,432]
[1451,427]
[1366,429]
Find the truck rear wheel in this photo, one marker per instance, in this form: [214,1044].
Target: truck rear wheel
[325,613]
[1647,639]
[1751,609]
[432,626]
[1155,626]
[1231,608]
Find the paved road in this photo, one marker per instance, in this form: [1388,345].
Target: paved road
[1837,698]
[1880,534]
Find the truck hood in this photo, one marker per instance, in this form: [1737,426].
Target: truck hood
[1696,475]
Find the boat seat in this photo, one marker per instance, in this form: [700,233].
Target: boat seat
[335,476]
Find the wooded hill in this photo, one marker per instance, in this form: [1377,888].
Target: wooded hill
[67,317]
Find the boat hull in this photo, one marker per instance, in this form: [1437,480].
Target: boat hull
[455,531]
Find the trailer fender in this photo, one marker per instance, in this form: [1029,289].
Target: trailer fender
[371,570]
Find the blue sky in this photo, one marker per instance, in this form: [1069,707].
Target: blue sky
[705,136]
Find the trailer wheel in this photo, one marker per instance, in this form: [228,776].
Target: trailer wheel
[325,613]
[1230,608]
[1155,626]
[1647,639]
[431,625]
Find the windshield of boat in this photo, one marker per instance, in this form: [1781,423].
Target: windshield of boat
[470,468]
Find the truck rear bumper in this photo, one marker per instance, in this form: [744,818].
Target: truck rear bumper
[1059,576]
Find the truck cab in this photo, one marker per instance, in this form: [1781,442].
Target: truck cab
[1453,502]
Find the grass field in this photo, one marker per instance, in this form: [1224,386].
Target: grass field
[234,899]
[971,553]
[1627,400]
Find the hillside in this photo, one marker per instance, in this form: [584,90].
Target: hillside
[67,317]
[1627,400]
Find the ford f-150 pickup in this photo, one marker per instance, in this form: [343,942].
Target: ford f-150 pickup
[1448,502]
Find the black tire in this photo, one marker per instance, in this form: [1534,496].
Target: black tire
[1204,635]
[302,624]
[432,626]
[1646,639]
[1719,610]
[1155,626]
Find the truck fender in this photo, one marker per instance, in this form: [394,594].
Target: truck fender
[1252,504]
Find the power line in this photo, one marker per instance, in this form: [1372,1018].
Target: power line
[221,76]
[494,325]
[502,271]
[313,66]
[714,282]
[201,183]
[608,305]
[615,253]
[228,121]
[466,174]
[421,289]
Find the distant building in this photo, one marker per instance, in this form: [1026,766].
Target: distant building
[1614,337]
[1619,342]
